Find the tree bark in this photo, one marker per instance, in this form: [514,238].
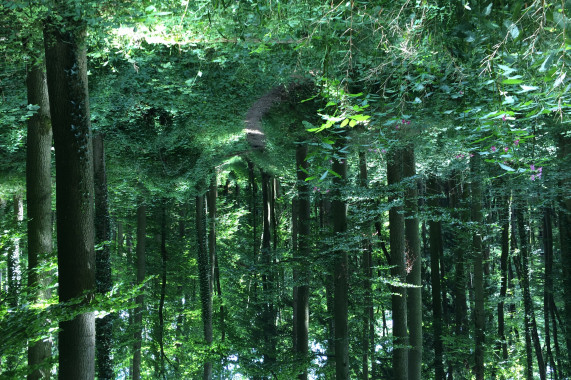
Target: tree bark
[164,261]
[478,264]
[548,286]
[564,158]
[269,312]
[204,281]
[66,65]
[505,244]
[302,258]
[435,239]
[140,300]
[529,313]
[414,264]
[104,283]
[341,274]
[398,262]
[39,205]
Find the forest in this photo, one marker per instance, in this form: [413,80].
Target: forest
[280,189]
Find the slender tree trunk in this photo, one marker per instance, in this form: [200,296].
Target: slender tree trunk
[505,243]
[164,261]
[66,65]
[215,270]
[435,239]
[303,257]
[564,158]
[548,287]
[529,313]
[295,275]
[398,261]
[268,276]
[140,251]
[39,206]
[341,274]
[204,281]
[104,283]
[478,264]
[414,264]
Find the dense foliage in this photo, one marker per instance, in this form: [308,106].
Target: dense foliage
[283,178]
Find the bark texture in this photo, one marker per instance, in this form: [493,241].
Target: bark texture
[302,256]
[39,207]
[66,65]
[140,300]
[398,262]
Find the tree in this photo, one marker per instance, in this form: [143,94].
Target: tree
[66,64]
[39,206]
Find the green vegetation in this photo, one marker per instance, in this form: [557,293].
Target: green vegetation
[279,189]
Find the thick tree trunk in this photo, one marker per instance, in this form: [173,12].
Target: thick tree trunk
[66,64]
[341,274]
[435,239]
[302,257]
[414,264]
[398,262]
[104,283]
[478,264]
[140,250]
[39,196]
[204,280]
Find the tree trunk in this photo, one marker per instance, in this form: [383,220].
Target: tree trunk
[414,265]
[164,260]
[140,250]
[548,300]
[398,261]
[215,270]
[529,313]
[435,239]
[564,158]
[204,281]
[478,263]
[39,206]
[104,283]
[269,313]
[505,243]
[302,258]
[341,286]
[66,64]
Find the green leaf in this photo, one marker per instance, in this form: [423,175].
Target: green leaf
[507,168]
[513,80]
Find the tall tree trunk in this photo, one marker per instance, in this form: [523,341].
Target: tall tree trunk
[215,270]
[140,300]
[341,274]
[204,281]
[366,262]
[529,313]
[505,244]
[39,206]
[398,262]
[548,287]
[564,158]
[269,313]
[478,264]
[302,257]
[164,260]
[104,283]
[435,239]
[66,64]
[414,265]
